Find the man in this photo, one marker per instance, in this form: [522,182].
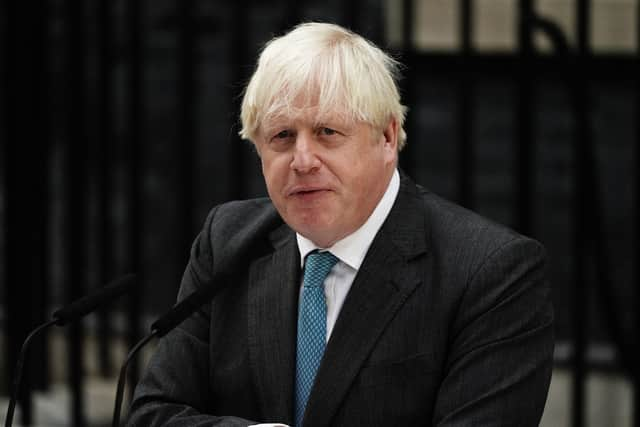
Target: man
[365,300]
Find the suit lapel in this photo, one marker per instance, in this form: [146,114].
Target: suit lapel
[384,282]
[272,313]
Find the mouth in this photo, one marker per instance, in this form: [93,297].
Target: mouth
[307,193]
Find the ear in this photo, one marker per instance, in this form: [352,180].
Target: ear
[390,139]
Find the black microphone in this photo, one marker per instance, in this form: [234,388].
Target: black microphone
[87,304]
[61,317]
[244,251]
[187,307]
[160,328]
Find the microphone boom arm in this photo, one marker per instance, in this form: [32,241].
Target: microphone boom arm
[18,375]
[123,374]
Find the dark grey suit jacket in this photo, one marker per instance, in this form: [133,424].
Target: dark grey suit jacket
[448,323]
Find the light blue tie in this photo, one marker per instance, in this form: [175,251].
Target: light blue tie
[312,326]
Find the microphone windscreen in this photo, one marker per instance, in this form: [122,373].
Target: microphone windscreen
[87,304]
[186,307]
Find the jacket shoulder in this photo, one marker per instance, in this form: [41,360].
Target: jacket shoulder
[465,241]
[232,232]
[449,222]
[232,223]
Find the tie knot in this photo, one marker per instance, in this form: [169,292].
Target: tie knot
[317,267]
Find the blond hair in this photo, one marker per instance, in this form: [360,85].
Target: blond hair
[328,67]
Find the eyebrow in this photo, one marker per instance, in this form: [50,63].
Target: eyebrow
[332,120]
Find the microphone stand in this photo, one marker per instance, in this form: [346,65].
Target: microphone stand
[160,328]
[184,309]
[18,375]
[63,316]
[122,378]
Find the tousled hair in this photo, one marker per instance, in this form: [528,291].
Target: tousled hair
[327,67]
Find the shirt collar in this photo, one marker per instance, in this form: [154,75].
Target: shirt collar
[352,249]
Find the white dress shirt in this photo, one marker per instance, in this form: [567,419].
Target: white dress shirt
[350,252]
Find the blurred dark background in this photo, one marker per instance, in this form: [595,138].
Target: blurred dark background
[119,121]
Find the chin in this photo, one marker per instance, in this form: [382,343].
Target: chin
[318,233]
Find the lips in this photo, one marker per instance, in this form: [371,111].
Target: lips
[307,194]
[305,190]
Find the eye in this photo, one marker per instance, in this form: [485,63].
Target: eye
[282,134]
[327,131]
[281,140]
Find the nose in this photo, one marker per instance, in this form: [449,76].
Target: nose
[305,158]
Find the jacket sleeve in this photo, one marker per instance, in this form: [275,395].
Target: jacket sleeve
[174,389]
[501,348]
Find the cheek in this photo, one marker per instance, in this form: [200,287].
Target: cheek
[265,169]
[274,171]
[364,175]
